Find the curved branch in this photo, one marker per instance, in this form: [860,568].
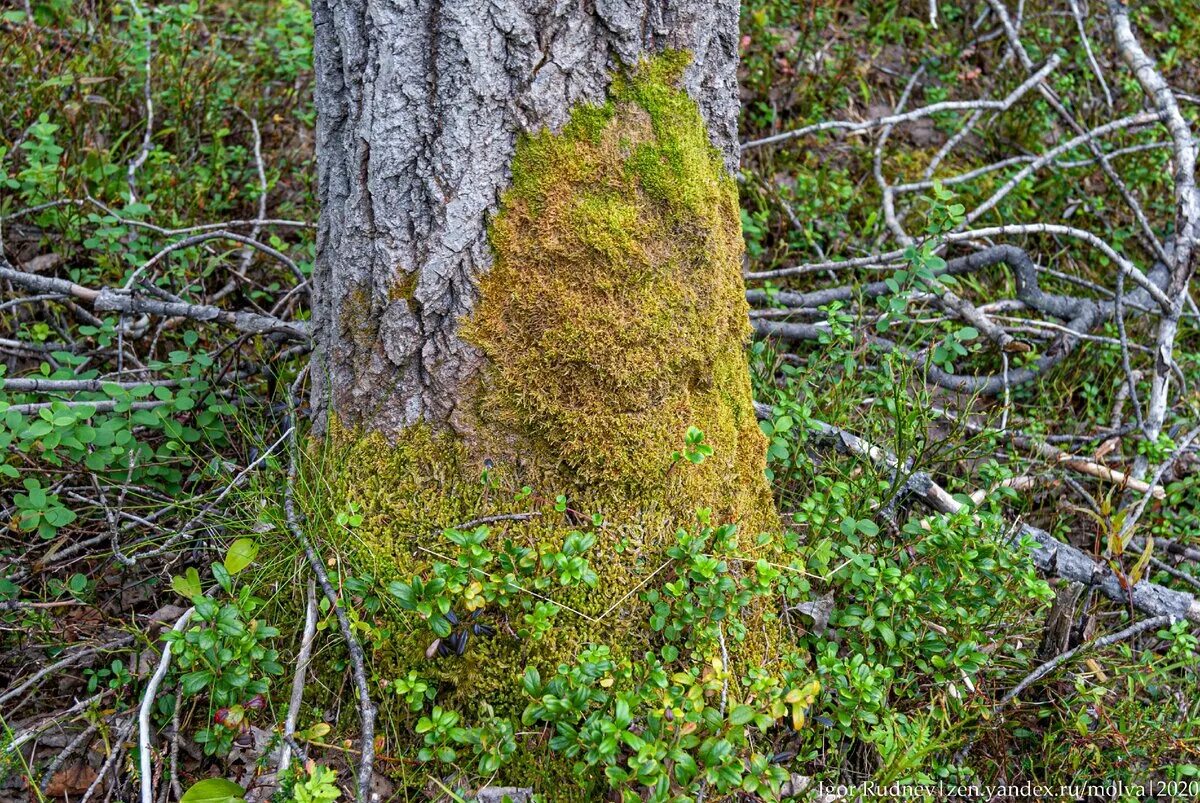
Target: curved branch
[1081,315]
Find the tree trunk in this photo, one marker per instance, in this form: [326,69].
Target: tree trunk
[529,283]
[419,108]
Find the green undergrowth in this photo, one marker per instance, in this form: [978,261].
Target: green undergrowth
[73,121]
[524,646]
[933,618]
[913,627]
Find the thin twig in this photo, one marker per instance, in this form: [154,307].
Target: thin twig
[144,151]
[145,746]
[65,754]
[1077,12]
[302,659]
[1033,677]
[916,114]
[248,254]
[366,707]
[62,663]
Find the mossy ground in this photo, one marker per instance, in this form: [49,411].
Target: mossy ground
[613,319]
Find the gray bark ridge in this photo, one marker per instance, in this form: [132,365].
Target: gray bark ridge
[419,106]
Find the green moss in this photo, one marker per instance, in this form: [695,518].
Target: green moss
[613,319]
[588,123]
[405,288]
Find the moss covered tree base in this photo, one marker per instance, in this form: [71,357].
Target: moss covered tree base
[408,493]
[613,321]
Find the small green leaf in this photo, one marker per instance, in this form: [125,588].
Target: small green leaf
[223,578]
[241,554]
[189,585]
[532,681]
[741,715]
[214,790]
[193,683]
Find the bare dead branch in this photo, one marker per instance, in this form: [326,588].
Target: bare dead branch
[1049,555]
[149,697]
[303,656]
[107,299]
[916,114]
[1135,629]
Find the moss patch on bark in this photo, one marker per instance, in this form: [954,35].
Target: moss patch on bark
[614,317]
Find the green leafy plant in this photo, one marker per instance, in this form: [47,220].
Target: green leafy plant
[669,723]
[695,449]
[114,676]
[214,790]
[320,785]
[440,731]
[41,511]
[953,346]
[415,690]
[657,725]
[224,653]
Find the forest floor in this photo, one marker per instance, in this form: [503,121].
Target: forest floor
[167,148]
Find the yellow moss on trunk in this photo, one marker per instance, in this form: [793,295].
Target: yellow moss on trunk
[613,319]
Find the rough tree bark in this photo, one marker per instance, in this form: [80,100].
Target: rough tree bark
[420,104]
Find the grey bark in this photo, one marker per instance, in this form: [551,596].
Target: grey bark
[420,104]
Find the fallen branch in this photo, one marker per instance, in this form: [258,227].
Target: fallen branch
[64,755]
[117,750]
[189,527]
[1132,519]
[1057,456]
[1187,216]
[1092,469]
[1081,314]
[1050,555]
[61,663]
[366,708]
[38,384]
[302,659]
[107,299]
[916,114]
[19,739]
[1048,667]
[897,255]
[197,239]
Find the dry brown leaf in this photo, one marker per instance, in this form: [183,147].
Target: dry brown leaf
[73,780]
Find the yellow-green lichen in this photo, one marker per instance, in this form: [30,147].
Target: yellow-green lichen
[356,320]
[612,320]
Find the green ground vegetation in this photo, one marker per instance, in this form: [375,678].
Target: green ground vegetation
[930,619]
